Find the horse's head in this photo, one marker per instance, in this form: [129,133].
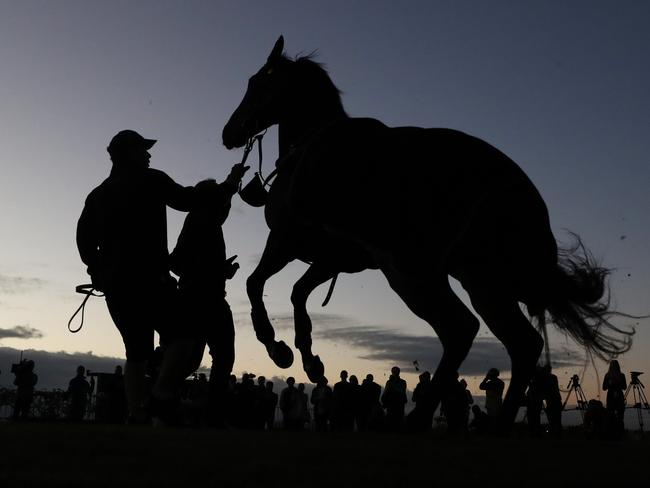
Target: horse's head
[283,89]
[263,101]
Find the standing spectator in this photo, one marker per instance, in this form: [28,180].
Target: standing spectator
[321,399]
[270,404]
[493,387]
[289,405]
[421,417]
[615,384]
[342,416]
[303,416]
[456,406]
[117,411]
[79,391]
[394,399]
[25,382]
[553,401]
[373,414]
[355,401]
[258,410]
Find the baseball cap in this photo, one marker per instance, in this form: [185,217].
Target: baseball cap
[129,138]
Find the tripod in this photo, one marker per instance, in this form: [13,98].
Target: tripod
[581,399]
[638,395]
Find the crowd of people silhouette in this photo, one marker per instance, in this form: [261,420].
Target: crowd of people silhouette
[256,403]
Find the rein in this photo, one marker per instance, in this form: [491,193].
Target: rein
[89,291]
[250,143]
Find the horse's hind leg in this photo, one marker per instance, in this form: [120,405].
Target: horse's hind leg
[273,260]
[456,326]
[308,282]
[508,323]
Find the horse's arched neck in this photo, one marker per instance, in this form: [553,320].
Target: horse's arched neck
[293,130]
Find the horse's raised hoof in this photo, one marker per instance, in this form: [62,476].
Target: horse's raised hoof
[315,369]
[281,354]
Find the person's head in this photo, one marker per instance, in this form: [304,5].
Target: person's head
[344,375]
[203,377]
[476,410]
[301,387]
[370,378]
[322,381]
[493,373]
[291,381]
[208,201]
[29,365]
[129,150]
[81,371]
[354,380]
[269,385]
[425,377]
[395,371]
[463,383]
[614,367]
[261,380]
[233,379]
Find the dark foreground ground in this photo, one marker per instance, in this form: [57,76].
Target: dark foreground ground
[95,455]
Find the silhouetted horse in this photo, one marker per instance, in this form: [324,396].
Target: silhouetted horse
[421,204]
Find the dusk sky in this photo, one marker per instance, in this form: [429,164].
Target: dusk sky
[560,87]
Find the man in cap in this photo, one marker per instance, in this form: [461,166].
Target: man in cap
[122,238]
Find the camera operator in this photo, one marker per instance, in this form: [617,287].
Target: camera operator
[25,382]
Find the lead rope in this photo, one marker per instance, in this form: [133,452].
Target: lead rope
[330,291]
[89,291]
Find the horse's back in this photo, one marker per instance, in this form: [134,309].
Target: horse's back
[395,188]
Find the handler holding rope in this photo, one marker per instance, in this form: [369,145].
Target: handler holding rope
[122,238]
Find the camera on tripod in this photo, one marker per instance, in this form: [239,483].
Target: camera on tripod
[574,382]
[634,377]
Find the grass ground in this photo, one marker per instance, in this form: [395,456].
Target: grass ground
[35,454]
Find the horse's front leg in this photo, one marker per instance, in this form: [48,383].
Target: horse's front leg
[314,276]
[274,258]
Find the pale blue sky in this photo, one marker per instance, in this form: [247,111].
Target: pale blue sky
[562,88]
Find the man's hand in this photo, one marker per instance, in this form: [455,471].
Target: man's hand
[231,267]
[236,174]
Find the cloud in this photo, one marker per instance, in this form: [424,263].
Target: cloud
[392,346]
[21,332]
[381,344]
[319,320]
[54,369]
[19,284]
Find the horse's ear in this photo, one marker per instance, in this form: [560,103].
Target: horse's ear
[277,49]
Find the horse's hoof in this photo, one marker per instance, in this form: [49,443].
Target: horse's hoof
[315,369]
[281,354]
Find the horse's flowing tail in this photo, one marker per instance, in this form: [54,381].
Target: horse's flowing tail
[580,303]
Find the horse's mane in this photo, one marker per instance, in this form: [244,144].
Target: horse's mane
[316,76]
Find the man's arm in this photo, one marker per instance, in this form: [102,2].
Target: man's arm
[88,238]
